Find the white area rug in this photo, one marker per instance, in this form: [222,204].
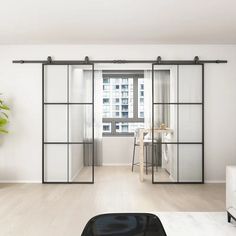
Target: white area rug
[196,223]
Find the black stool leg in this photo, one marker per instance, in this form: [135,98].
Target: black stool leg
[229,217]
[133,157]
[146,161]
[156,156]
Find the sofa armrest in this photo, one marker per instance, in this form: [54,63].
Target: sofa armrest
[230,187]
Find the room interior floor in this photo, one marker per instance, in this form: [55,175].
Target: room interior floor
[60,209]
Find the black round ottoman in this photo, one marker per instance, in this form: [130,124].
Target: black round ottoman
[129,224]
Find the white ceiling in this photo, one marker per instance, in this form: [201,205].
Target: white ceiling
[117,21]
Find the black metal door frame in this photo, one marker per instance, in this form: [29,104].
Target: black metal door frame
[178,143]
[68,104]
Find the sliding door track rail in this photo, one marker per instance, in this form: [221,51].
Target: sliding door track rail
[86,61]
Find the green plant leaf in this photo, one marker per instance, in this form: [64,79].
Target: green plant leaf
[3,131]
[3,121]
[3,117]
[4,107]
[5,114]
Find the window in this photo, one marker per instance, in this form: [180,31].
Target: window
[124,87]
[141,114]
[106,87]
[123,102]
[106,127]
[105,100]
[141,98]
[128,127]
[124,94]
[105,81]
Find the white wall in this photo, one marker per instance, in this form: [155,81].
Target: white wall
[20,151]
[118,151]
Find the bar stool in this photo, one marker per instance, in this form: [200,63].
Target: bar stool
[147,143]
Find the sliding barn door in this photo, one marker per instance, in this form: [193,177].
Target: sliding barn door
[178,123]
[68,123]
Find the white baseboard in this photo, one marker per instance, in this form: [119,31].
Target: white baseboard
[215,181]
[116,164]
[20,181]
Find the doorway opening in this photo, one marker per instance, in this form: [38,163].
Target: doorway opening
[92,115]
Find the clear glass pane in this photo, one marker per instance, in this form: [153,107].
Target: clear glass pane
[55,123]
[81,125]
[140,98]
[190,123]
[190,163]
[165,162]
[80,162]
[81,87]
[55,83]
[165,123]
[124,127]
[55,162]
[190,83]
[117,97]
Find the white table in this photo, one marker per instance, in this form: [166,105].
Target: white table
[141,147]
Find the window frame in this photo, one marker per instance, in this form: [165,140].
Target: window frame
[135,75]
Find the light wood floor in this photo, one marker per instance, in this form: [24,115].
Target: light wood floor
[36,209]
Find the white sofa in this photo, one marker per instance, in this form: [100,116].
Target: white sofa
[231,192]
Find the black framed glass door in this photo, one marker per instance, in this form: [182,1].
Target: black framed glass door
[178,123]
[68,123]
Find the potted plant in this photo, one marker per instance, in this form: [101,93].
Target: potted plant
[3,117]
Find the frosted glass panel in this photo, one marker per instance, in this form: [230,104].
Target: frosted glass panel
[55,162]
[190,84]
[190,123]
[190,163]
[80,162]
[161,86]
[55,123]
[55,83]
[81,84]
[165,83]
[80,123]
[165,160]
